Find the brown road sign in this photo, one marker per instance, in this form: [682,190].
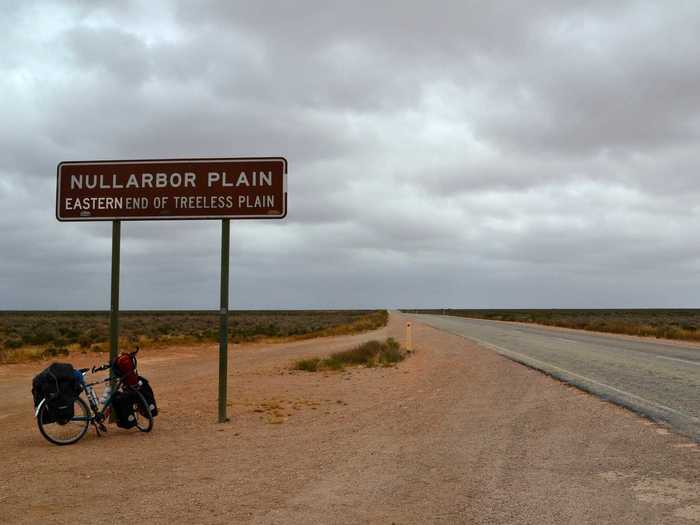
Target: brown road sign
[241,188]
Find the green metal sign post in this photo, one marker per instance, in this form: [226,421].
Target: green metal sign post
[114,302]
[223,321]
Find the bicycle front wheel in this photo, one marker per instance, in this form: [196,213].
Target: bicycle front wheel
[142,413]
[64,432]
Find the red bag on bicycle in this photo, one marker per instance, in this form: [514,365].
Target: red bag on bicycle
[124,367]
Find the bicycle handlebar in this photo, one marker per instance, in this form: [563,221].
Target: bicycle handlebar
[108,365]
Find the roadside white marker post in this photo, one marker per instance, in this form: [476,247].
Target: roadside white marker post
[409,337]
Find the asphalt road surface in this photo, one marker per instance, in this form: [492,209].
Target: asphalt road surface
[660,380]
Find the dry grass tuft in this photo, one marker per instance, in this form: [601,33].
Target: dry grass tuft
[369,354]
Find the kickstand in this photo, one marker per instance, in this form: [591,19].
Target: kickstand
[99,428]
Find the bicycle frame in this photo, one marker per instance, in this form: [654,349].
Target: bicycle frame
[93,402]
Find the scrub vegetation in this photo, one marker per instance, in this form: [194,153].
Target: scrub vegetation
[661,323]
[39,335]
[369,354]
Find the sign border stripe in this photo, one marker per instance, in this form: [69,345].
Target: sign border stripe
[167,161]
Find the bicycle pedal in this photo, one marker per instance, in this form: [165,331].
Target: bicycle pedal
[103,428]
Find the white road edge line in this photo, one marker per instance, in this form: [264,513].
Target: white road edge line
[526,358]
[696,363]
[566,340]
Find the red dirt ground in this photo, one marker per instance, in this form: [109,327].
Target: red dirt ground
[454,434]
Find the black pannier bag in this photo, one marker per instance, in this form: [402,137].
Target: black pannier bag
[123,406]
[59,385]
[147,392]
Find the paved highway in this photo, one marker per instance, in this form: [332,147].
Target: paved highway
[657,379]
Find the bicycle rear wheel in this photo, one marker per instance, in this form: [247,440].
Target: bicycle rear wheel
[64,433]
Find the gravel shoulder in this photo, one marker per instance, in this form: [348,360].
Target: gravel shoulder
[454,434]
[656,380]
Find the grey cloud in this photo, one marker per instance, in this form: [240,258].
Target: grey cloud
[460,153]
[123,56]
[587,91]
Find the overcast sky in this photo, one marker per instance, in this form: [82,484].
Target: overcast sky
[460,154]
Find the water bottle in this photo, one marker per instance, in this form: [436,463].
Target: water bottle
[92,398]
[105,395]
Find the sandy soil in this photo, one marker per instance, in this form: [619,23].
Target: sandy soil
[454,434]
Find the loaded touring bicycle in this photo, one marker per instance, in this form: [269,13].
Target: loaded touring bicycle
[63,416]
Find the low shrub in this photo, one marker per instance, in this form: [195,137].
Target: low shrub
[85,340]
[391,353]
[41,336]
[55,351]
[361,354]
[369,354]
[307,365]
[332,363]
[13,343]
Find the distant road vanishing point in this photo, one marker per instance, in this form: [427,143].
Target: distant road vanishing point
[660,380]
